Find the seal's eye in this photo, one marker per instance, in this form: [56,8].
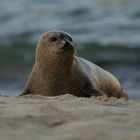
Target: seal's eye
[53,39]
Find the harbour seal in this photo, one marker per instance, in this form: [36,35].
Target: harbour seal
[58,71]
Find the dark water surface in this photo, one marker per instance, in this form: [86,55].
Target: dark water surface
[107,32]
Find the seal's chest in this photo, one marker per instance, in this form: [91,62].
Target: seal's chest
[61,86]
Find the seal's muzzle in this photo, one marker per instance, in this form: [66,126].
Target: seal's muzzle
[68,46]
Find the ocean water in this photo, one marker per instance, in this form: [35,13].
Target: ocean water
[106,32]
[104,21]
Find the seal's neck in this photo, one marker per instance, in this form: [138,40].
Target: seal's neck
[56,65]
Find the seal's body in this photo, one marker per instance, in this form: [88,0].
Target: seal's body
[58,71]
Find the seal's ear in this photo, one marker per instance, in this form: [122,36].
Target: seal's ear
[91,90]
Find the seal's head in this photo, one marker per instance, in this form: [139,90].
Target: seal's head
[55,45]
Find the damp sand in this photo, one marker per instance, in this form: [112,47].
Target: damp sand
[68,117]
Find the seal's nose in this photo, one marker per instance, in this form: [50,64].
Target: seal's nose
[68,46]
[65,36]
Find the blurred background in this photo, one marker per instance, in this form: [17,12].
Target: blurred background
[106,32]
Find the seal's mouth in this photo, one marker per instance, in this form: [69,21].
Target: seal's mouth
[68,47]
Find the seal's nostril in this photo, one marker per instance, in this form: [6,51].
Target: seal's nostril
[70,39]
[67,43]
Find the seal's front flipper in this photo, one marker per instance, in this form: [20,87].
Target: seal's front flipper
[124,94]
[89,89]
[25,92]
[94,92]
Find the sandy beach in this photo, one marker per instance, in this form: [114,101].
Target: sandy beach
[68,117]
